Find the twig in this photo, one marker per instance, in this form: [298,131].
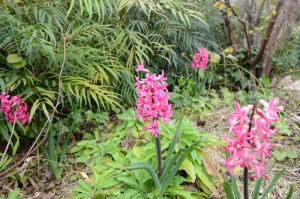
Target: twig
[260,53]
[50,119]
[227,2]
[258,16]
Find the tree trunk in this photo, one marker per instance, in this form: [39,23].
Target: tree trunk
[286,15]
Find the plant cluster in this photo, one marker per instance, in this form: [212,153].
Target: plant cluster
[66,74]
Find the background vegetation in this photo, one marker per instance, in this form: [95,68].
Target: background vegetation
[73,63]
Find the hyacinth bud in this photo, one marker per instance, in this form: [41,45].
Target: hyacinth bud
[152,103]
[251,144]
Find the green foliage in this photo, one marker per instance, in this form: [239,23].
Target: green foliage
[9,133]
[105,40]
[116,180]
[280,155]
[231,190]
[13,194]
[171,163]
[56,149]
[283,127]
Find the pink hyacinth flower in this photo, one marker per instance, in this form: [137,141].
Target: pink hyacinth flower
[14,109]
[152,103]
[200,59]
[251,144]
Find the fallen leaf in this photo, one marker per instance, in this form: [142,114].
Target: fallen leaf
[35,186]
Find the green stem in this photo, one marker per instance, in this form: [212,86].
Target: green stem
[159,159]
[194,83]
[203,83]
[197,82]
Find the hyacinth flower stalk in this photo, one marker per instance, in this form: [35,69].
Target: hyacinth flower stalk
[14,109]
[200,62]
[152,106]
[250,146]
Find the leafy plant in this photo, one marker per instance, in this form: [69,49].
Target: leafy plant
[129,144]
[55,153]
[232,191]
[171,164]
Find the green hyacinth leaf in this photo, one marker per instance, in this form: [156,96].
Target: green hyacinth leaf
[13,59]
[272,183]
[291,191]
[228,190]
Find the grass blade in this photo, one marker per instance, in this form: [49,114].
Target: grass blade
[258,183]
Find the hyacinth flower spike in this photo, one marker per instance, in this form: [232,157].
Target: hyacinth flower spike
[151,107]
[200,62]
[250,146]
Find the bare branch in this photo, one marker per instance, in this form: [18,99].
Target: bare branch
[227,2]
[260,53]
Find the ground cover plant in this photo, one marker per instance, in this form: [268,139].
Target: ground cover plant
[149,99]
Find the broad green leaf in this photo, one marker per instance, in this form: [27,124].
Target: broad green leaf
[14,194]
[137,151]
[188,166]
[128,180]
[150,170]
[292,154]
[209,166]
[20,64]
[206,179]
[279,155]
[13,59]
